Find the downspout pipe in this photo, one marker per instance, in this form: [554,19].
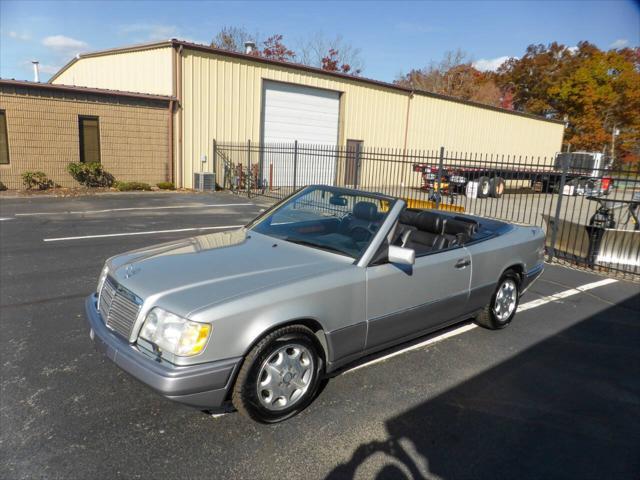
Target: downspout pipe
[180,167]
[406,123]
[170,157]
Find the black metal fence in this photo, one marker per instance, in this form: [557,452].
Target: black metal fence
[589,209]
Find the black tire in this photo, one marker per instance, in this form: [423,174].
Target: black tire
[496,187]
[488,318]
[245,391]
[484,187]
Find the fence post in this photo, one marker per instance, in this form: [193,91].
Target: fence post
[295,163]
[247,178]
[357,153]
[556,218]
[440,165]
[215,163]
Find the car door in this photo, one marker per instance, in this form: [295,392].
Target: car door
[405,300]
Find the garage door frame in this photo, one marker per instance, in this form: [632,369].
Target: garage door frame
[263,97]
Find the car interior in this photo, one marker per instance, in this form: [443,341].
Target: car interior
[355,230]
[427,231]
[424,231]
[349,232]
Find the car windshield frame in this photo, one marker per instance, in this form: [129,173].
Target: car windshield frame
[264,222]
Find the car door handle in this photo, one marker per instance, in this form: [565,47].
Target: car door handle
[463,262]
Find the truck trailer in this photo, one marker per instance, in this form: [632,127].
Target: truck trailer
[585,174]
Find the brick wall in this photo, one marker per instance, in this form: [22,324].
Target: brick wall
[42,127]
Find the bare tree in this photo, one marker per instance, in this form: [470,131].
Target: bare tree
[455,76]
[434,78]
[331,54]
[233,39]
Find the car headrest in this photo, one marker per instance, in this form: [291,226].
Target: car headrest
[474,224]
[454,227]
[430,222]
[409,218]
[365,211]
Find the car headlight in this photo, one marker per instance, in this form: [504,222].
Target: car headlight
[174,334]
[102,277]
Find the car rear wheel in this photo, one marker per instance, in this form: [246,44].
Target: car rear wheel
[280,376]
[503,305]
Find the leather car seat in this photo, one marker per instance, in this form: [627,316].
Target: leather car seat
[429,234]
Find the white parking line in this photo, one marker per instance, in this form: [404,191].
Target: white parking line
[4,219]
[565,294]
[61,239]
[470,326]
[213,205]
[439,338]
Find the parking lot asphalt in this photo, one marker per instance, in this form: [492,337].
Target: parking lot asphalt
[555,395]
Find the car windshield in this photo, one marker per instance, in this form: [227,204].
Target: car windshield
[333,219]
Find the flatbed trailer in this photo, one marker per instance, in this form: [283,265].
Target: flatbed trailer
[583,176]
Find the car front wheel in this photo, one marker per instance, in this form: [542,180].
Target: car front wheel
[503,305]
[280,376]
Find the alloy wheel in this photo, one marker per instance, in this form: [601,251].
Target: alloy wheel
[506,300]
[285,376]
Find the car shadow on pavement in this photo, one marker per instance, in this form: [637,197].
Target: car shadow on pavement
[568,407]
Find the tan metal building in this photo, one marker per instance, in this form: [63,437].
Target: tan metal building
[233,97]
[45,127]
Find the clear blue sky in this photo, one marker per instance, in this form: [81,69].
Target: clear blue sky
[393,36]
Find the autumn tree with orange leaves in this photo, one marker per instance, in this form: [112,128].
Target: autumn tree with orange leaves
[274,49]
[597,92]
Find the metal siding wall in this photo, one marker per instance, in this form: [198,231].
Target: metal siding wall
[222,100]
[464,128]
[146,71]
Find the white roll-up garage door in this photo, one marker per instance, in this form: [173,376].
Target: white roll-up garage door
[308,115]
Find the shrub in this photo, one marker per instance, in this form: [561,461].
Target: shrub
[3,187]
[166,186]
[132,186]
[37,180]
[90,174]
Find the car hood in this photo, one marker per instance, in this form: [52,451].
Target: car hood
[186,275]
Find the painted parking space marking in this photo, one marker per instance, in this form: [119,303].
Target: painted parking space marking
[470,326]
[153,232]
[439,338]
[129,209]
[4,219]
[564,294]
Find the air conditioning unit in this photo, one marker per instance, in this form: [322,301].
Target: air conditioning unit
[204,182]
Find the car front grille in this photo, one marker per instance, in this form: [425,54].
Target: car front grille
[119,307]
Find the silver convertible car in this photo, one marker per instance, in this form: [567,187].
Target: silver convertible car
[260,315]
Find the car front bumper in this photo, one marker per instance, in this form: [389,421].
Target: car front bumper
[202,385]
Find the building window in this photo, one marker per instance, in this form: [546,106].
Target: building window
[4,139]
[89,139]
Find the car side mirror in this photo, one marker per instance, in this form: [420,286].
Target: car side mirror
[401,255]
